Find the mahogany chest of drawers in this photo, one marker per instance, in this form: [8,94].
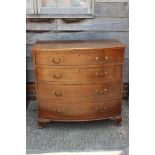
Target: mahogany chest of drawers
[78,80]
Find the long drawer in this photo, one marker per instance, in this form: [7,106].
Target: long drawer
[76,92]
[57,74]
[79,110]
[80,57]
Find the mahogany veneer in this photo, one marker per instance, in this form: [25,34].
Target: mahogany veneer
[78,80]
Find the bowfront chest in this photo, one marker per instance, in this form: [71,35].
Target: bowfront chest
[78,80]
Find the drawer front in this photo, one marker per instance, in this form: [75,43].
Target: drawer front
[78,91]
[56,74]
[85,57]
[79,110]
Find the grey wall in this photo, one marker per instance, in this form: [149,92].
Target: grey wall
[111,22]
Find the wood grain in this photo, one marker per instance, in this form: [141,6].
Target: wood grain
[63,60]
[30,72]
[31,95]
[73,74]
[71,111]
[79,92]
[99,23]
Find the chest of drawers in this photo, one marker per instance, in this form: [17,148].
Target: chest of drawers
[78,80]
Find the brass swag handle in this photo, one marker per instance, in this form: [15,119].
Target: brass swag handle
[59,111]
[57,75]
[58,93]
[56,60]
[100,74]
[102,60]
[101,109]
[101,91]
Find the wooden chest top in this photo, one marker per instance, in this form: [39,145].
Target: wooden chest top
[59,45]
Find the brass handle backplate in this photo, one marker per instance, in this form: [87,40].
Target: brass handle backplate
[56,60]
[102,60]
[101,91]
[101,74]
[57,75]
[59,111]
[58,93]
[101,109]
